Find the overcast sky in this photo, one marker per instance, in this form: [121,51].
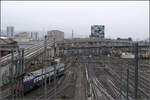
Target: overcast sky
[121,18]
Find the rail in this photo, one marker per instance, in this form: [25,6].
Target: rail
[29,52]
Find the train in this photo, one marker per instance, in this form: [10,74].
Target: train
[144,56]
[130,55]
[118,54]
[34,79]
[127,55]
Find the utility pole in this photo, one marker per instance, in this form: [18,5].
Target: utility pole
[11,73]
[45,66]
[121,84]
[22,70]
[43,69]
[54,71]
[127,83]
[17,74]
[136,72]
[90,75]
[16,71]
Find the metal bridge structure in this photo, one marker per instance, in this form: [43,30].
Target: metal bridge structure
[96,45]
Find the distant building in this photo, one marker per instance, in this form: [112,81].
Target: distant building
[10,31]
[22,37]
[58,35]
[97,31]
[6,45]
[34,35]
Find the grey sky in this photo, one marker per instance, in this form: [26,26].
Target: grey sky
[121,18]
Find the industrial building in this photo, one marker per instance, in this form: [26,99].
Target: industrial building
[97,31]
[58,35]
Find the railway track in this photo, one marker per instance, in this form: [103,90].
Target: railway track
[105,82]
[131,85]
[107,86]
[5,93]
[110,78]
[61,85]
[29,53]
[142,90]
[6,59]
[99,91]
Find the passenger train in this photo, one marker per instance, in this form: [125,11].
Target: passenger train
[34,79]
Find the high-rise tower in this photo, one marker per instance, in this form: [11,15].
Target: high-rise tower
[10,31]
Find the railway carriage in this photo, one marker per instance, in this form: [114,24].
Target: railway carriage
[60,70]
[34,79]
[29,83]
